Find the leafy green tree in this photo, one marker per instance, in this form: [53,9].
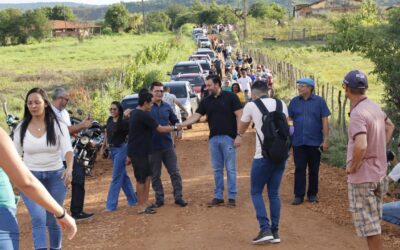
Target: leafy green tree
[117,17]
[174,10]
[263,10]
[10,28]
[35,24]
[189,17]
[61,12]
[210,16]
[135,22]
[378,40]
[157,22]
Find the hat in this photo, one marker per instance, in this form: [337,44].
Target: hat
[356,79]
[308,81]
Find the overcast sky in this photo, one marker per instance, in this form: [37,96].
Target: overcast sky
[99,2]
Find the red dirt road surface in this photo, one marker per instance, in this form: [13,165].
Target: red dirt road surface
[325,225]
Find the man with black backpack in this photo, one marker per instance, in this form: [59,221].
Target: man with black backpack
[272,150]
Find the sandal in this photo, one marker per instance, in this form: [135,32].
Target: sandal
[147,210]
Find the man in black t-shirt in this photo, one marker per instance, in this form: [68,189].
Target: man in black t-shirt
[141,127]
[223,110]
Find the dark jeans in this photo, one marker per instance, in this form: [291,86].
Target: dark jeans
[78,188]
[168,157]
[265,173]
[306,156]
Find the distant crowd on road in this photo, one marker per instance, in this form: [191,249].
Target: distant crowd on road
[235,95]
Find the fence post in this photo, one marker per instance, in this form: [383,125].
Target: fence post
[332,101]
[304,34]
[327,93]
[344,115]
[340,107]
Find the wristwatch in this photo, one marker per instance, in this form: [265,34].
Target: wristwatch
[175,128]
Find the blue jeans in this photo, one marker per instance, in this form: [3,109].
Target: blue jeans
[120,179]
[391,212]
[265,173]
[223,153]
[53,182]
[9,233]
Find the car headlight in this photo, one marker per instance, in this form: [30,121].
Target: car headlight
[85,140]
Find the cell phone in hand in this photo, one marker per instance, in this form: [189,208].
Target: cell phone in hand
[321,149]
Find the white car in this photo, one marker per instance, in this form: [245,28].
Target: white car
[184,93]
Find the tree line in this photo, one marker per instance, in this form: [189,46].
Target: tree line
[17,27]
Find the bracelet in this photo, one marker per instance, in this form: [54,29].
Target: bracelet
[61,216]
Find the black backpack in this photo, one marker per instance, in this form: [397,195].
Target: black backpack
[276,144]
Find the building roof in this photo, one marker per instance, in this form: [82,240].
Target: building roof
[301,6]
[60,24]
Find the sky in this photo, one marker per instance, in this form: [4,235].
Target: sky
[98,2]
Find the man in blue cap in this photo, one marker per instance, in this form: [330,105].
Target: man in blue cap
[309,114]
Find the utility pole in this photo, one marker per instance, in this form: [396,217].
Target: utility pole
[144,20]
[244,19]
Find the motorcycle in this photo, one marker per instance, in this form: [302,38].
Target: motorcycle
[11,120]
[87,144]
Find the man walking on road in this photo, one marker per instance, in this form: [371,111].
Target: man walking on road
[370,130]
[264,172]
[163,149]
[309,114]
[60,100]
[223,110]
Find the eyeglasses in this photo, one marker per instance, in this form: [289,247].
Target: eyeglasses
[64,98]
[301,85]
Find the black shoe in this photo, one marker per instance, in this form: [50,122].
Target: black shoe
[231,203]
[157,204]
[181,202]
[297,201]
[82,216]
[276,238]
[313,198]
[262,237]
[215,202]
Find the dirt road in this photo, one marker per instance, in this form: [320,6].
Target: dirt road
[326,225]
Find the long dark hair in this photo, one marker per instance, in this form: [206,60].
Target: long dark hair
[120,116]
[49,118]
[235,84]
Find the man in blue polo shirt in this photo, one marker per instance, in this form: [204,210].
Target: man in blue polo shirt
[163,149]
[309,114]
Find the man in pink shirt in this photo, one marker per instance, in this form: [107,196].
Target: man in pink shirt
[369,132]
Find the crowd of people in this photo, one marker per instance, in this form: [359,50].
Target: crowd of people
[236,95]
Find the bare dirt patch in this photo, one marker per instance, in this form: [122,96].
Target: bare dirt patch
[326,225]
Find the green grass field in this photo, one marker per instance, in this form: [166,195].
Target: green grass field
[66,62]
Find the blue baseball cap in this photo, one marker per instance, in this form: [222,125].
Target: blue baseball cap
[308,81]
[356,79]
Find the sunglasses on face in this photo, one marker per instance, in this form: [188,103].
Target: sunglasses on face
[159,91]
[301,85]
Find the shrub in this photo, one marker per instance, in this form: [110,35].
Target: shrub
[107,31]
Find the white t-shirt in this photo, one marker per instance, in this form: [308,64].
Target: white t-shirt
[244,83]
[37,155]
[170,99]
[252,113]
[395,173]
[62,115]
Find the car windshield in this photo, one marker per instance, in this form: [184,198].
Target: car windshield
[178,90]
[185,69]
[204,39]
[194,81]
[205,66]
[130,103]
[210,53]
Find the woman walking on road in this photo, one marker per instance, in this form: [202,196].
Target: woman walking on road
[42,140]
[116,133]
[13,167]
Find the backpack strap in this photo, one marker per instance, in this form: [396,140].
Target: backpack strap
[260,105]
[279,107]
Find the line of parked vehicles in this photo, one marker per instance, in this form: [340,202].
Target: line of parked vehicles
[187,77]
